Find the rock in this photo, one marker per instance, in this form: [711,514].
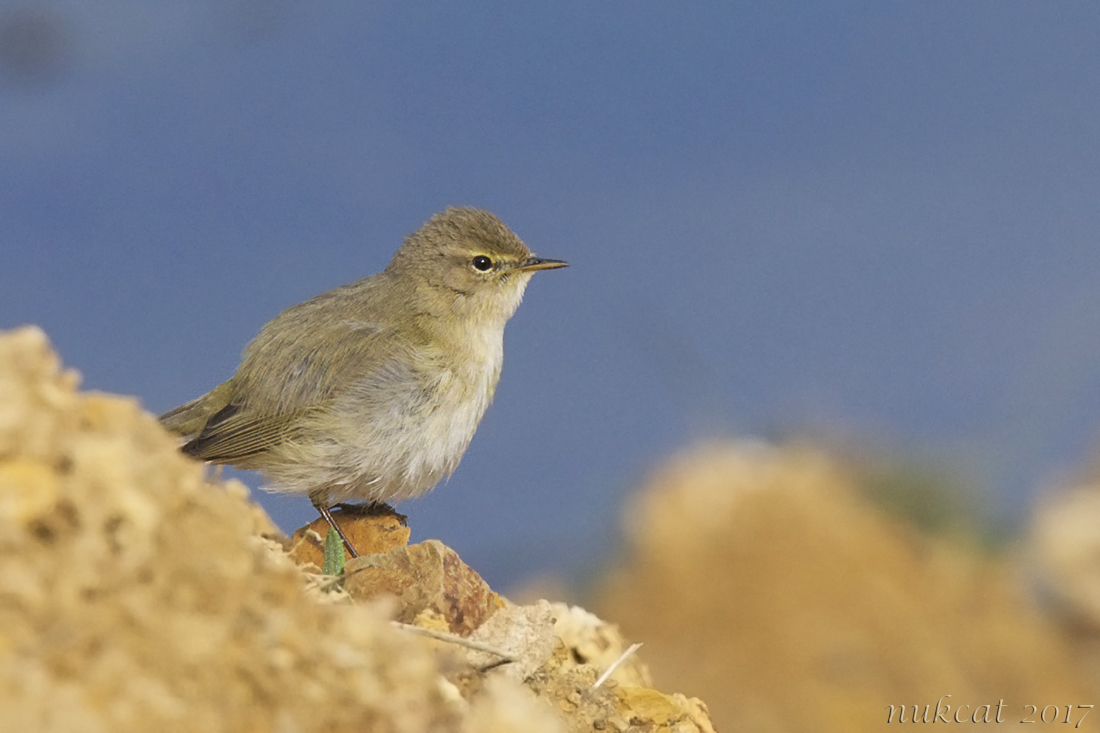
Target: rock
[1065,541]
[369,533]
[137,594]
[526,634]
[136,597]
[761,580]
[592,641]
[1065,565]
[428,577]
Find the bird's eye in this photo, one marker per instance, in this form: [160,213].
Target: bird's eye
[483,263]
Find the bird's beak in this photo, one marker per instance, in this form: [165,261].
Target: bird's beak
[538,263]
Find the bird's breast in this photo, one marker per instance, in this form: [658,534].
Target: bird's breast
[407,423]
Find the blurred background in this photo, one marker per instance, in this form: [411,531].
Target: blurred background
[870,223]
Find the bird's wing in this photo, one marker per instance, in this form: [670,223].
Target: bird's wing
[234,434]
[283,382]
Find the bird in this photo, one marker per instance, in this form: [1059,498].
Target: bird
[371,392]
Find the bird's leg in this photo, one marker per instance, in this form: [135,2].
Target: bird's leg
[324,510]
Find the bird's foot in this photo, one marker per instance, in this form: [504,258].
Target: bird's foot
[327,514]
[374,509]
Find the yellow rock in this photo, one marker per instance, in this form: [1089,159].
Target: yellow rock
[28,489]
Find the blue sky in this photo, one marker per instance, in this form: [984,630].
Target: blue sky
[873,219]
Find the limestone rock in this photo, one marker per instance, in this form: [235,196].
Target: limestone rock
[137,594]
[761,580]
[1065,539]
[369,533]
[427,577]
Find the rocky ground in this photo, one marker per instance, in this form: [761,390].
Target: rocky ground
[138,594]
[135,594]
[763,580]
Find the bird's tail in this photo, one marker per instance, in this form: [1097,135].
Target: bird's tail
[190,418]
[186,419]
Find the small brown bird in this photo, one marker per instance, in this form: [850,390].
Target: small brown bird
[372,391]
